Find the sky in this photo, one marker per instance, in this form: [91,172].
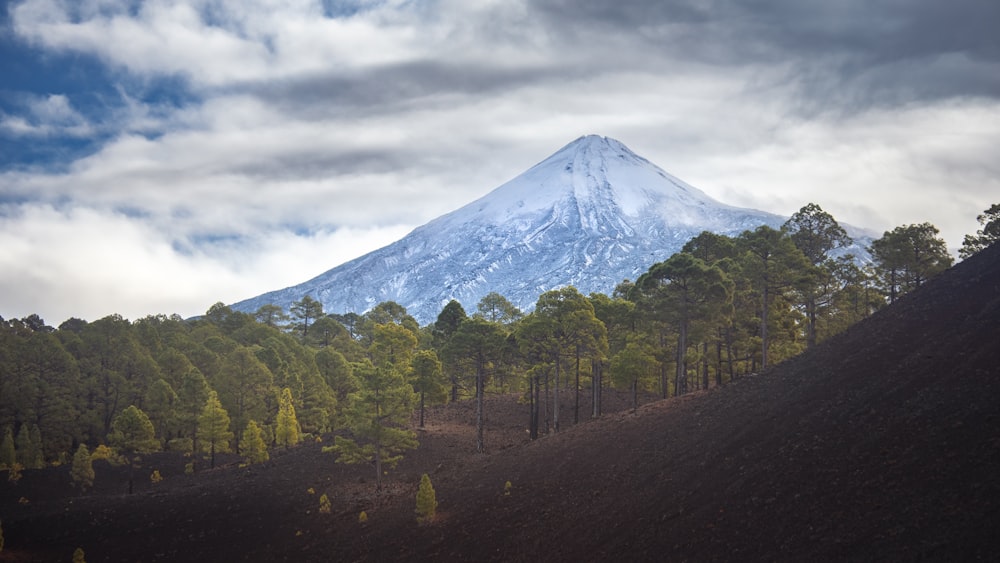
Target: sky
[159,156]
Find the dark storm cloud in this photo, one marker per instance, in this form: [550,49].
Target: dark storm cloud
[396,87]
[851,53]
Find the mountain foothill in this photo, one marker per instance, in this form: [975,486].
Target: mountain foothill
[595,361]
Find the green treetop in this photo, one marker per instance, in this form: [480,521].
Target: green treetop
[252,444]
[377,415]
[989,234]
[213,428]
[287,432]
[426,500]
[82,471]
[132,434]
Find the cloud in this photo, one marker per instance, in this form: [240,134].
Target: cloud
[46,116]
[121,264]
[232,140]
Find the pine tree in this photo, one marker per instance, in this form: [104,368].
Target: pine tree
[252,444]
[376,415]
[132,433]
[426,500]
[8,454]
[25,449]
[213,428]
[989,234]
[287,432]
[37,460]
[82,471]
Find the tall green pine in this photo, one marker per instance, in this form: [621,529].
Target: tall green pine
[377,416]
[213,428]
[82,471]
[287,432]
[252,444]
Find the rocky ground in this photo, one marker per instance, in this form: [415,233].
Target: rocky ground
[881,444]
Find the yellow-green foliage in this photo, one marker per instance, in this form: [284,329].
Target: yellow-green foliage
[14,473]
[426,500]
[324,504]
[82,471]
[311,491]
[363,517]
[78,556]
[506,489]
[102,452]
[155,477]
[287,431]
[189,468]
[252,444]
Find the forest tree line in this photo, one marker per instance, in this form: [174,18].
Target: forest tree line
[721,308]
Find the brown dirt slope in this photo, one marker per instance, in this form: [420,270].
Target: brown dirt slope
[881,444]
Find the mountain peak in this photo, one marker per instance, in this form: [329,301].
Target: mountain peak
[590,215]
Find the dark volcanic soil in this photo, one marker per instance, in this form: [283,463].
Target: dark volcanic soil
[881,444]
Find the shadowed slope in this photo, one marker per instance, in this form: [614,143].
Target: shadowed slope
[883,443]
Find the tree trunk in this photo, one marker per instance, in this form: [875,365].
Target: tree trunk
[480,384]
[421,409]
[131,472]
[704,365]
[555,402]
[576,391]
[681,379]
[378,467]
[811,314]
[718,363]
[595,388]
[635,395]
[545,405]
[533,422]
[763,329]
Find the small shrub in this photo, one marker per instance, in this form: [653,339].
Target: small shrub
[189,468]
[101,452]
[426,500]
[311,491]
[78,556]
[363,517]
[324,504]
[82,471]
[155,477]
[506,489]
[14,473]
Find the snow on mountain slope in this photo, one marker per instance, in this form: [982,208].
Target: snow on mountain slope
[591,215]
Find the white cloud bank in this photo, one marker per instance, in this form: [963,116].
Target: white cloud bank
[306,133]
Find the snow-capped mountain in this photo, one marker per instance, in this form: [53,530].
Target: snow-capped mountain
[591,215]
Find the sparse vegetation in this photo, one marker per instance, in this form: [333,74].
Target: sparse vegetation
[82,470]
[252,444]
[426,501]
[324,504]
